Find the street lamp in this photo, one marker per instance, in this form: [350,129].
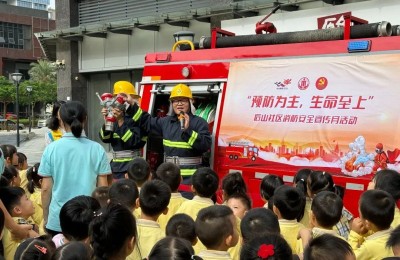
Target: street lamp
[16,77]
[29,90]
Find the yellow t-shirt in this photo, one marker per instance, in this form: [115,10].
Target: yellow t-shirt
[235,251]
[307,209]
[192,207]
[10,245]
[148,234]
[396,219]
[316,232]
[174,204]
[24,181]
[373,247]
[214,255]
[289,230]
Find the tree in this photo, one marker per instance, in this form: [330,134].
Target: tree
[7,92]
[43,72]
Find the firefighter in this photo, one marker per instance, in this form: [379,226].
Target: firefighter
[127,137]
[185,136]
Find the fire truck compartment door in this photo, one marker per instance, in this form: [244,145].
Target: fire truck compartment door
[196,87]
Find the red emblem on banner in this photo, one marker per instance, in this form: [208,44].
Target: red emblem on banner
[321,83]
[303,83]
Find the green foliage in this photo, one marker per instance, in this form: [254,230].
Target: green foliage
[7,90]
[43,72]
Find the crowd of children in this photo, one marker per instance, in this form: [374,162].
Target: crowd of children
[145,217]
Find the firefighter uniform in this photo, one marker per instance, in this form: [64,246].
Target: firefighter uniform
[127,139]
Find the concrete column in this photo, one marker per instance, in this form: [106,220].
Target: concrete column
[70,84]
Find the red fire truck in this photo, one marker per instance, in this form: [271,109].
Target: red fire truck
[328,93]
[234,151]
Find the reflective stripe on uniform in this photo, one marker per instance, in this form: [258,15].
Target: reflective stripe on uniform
[193,138]
[183,145]
[127,135]
[115,135]
[104,136]
[137,115]
[144,139]
[123,160]
[187,172]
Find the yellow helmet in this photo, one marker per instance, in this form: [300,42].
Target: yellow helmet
[124,87]
[181,90]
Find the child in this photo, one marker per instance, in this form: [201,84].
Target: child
[271,246]
[171,175]
[21,209]
[34,188]
[10,177]
[153,200]
[112,232]
[101,195]
[39,248]
[326,211]
[322,181]
[139,171]
[328,247]
[204,185]
[182,226]
[389,181]
[75,217]
[233,183]
[240,204]
[216,229]
[300,182]
[257,222]
[267,187]
[172,248]
[10,154]
[73,251]
[376,209]
[394,241]
[22,162]
[124,192]
[288,206]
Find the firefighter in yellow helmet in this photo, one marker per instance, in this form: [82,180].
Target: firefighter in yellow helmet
[126,137]
[185,136]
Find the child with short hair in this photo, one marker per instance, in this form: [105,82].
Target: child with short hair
[113,232]
[326,211]
[73,251]
[216,229]
[75,217]
[300,182]
[12,175]
[233,183]
[124,192]
[289,204]
[182,226]
[322,181]
[389,181]
[21,209]
[328,247]
[376,214]
[240,204]
[172,248]
[267,187]
[266,247]
[38,248]
[153,199]
[258,222]
[101,195]
[10,154]
[139,171]
[34,186]
[204,185]
[170,174]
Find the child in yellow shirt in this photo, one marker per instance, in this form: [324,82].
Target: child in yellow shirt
[34,184]
[171,175]
[289,204]
[153,199]
[124,192]
[265,247]
[376,214]
[216,229]
[21,209]
[326,211]
[182,226]
[259,221]
[328,247]
[300,182]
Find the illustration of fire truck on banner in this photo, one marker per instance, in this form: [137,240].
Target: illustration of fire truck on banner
[243,150]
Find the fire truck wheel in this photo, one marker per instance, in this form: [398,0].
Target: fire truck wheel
[235,157]
[253,158]
[231,157]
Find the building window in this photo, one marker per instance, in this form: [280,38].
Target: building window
[12,36]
